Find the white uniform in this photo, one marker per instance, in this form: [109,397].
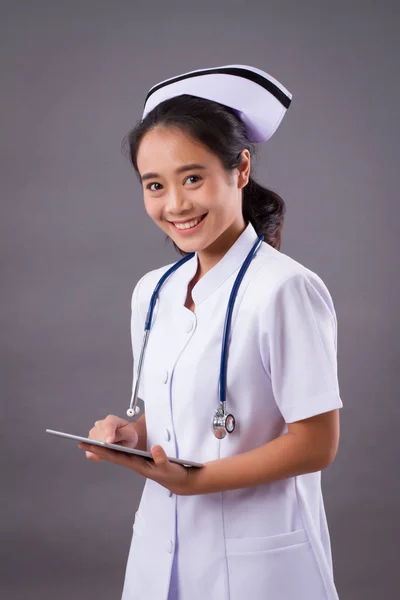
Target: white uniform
[271,541]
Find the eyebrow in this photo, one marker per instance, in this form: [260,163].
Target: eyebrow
[191,167]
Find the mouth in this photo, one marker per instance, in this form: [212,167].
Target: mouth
[186,227]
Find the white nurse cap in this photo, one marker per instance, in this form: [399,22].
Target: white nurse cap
[260,100]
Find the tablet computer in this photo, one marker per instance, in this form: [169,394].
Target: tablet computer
[142,453]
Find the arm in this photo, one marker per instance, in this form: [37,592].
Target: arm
[309,445]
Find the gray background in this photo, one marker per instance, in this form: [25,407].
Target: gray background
[75,239]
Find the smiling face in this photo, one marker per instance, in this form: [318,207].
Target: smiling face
[187,192]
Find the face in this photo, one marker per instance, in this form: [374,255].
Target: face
[187,192]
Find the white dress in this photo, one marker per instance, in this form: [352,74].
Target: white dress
[270,541]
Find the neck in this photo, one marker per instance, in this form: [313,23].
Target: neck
[211,255]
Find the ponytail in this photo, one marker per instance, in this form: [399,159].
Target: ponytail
[265,210]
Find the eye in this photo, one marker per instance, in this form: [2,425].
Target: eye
[194,177]
[148,187]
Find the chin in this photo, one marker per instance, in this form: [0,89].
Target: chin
[187,246]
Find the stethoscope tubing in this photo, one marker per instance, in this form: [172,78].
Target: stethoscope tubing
[149,317]
[228,319]
[225,338]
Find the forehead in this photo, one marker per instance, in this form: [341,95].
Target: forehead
[167,146]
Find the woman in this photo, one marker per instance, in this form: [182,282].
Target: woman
[250,522]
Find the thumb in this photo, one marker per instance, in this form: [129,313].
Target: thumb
[159,455]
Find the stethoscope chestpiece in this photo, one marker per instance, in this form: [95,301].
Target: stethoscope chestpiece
[222,423]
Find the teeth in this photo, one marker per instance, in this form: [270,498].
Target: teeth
[188,225]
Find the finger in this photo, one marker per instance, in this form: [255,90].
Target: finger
[103,429]
[89,455]
[135,463]
[95,432]
[126,433]
[93,457]
[116,457]
[159,456]
[110,425]
[92,451]
[113,429]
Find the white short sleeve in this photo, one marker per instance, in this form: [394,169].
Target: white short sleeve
[302,348]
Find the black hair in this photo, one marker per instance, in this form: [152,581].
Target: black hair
[220,129]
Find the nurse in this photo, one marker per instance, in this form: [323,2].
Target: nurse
[251,522]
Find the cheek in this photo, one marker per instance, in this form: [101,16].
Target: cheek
[152,208]
[222,202]
[211,198]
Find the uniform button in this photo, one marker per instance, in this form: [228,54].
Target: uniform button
[170,546]
[167,434]
[165,376]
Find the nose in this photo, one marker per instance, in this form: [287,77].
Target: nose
[176,201]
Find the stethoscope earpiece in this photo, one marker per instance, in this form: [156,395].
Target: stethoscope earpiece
[222,423]
[131,412]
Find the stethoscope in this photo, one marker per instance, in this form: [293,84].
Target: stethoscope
[222,423]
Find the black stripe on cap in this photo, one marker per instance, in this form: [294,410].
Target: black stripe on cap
[238,72]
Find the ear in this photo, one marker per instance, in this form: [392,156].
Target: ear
[244,168]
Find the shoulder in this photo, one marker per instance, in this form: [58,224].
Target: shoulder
[145,286]
[281,277]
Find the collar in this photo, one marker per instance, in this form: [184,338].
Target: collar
[223,269]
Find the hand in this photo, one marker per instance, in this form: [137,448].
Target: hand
[113,430]
[171,475]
